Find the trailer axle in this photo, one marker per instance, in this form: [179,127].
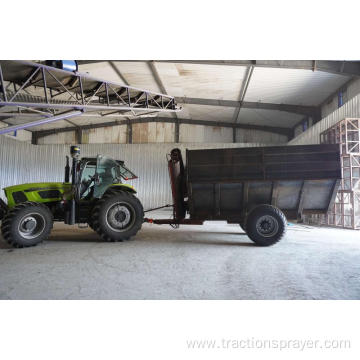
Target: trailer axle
[174,221]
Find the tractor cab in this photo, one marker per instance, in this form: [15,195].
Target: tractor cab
[95,175]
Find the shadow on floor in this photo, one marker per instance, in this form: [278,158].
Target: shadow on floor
[197,237]
[215,242]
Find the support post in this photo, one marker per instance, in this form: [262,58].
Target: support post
[177,131]
[45,86]
[300,206]
[34,138]
[129,132]
[78,133]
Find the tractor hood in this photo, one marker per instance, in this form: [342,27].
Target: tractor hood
[37,186]
[38,192]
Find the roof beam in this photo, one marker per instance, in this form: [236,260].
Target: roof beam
[161,86]
[347,68]
[156,77]
[118,73]
[272,129]
[243,91]
[297,109]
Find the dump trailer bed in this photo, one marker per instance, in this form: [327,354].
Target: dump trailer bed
[225,184]
[254,187]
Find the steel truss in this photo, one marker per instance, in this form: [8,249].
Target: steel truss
[346,209]
[27,88]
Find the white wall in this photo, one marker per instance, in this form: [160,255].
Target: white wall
[250,136]
[60,138]
[110,134]
[21,135]
[203,134]
[148,133]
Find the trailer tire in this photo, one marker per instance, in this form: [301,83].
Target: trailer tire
[266,225]
[118,216]
[27,224]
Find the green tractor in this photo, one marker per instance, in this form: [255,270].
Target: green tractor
[95,196]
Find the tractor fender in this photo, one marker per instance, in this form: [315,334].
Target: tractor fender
[121,187]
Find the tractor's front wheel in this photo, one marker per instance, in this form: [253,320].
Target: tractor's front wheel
[117,216]
[27,224]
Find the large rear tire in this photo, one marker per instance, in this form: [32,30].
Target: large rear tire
[117,216]
[3,209]
[266,225]
[27,224]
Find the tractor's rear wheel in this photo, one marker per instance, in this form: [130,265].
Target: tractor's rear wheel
[117,216]
[27,224]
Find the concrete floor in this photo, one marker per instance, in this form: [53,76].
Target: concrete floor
[214,261]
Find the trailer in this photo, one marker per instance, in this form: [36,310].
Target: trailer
[257,188]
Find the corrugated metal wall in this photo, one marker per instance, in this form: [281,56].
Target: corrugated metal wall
[351,90]
[312,135]
[21,163]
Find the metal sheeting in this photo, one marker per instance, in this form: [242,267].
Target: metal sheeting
[21,163]
[152,133]
[135,73]
[257,136]
[312,135]
[352,89]
[193,80]
[206,112]
[268,117]
[205,134]
[68,137]
[292,86]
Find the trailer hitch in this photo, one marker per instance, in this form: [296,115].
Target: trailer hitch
[158,208]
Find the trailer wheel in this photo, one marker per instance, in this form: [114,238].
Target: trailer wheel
[118,216]
[27,224]
[266,225]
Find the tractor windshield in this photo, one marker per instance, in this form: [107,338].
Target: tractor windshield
[109,171]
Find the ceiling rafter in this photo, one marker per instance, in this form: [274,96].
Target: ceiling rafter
[297,109]
[244,87]
[118,73]
[162,88]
